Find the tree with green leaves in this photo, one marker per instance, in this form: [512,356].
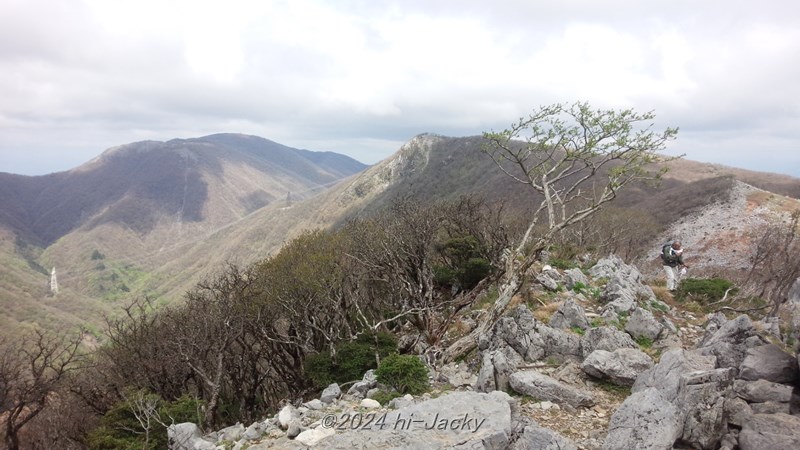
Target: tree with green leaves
[575,159]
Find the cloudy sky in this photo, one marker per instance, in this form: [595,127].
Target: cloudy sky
[361,77]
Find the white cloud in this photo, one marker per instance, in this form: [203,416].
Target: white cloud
[78,76]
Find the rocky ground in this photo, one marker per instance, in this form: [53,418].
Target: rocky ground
[609,366]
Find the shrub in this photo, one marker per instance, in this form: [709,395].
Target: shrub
[353,358]
[562,264]
[405,373]
[709,290]
[120,429]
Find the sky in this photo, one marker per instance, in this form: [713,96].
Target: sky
[362,77]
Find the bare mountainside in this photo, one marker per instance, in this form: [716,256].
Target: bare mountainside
[100,223]
[105,260]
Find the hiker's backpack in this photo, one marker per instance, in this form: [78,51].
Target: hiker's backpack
[667,255]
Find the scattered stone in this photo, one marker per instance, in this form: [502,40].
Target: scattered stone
[286,415]
[315,404]
[293,430]
[360,389]
[187,436]
[331,393]
[536,437]
[314,436]
[232,433]
[538,385]
[370,403]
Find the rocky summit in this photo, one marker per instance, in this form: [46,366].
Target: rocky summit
[581,378]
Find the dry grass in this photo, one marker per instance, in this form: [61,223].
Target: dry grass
[544,313]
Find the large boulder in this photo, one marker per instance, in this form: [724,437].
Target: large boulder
[666,375]
[761,391]
[768,362]
[642,323]
[558,344]
[605,338]
[621,367]
[574,276]
[701,404]
[644,421]
[543,387]
[770,432]
[569,315]
[730,342]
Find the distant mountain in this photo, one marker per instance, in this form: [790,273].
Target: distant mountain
[213,180]
[100,223]
[155,218]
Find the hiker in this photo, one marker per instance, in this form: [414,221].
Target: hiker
[672,255]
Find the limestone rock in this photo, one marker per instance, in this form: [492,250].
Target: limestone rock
[701,401]
[187,436]
[543,387]
[642,323]
[569,315]
[605,338]
[730,342]
[536,437]
[621,367]
[330,394]
[286,415]
[313,436]
[761,391]
[369,403]
[770,431]
[574,276]
[644,421]
[360,389]
[769,362]
[666,375]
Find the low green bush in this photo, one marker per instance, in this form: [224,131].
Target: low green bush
[407,374]
[704,289]
[352,359]
[119,428]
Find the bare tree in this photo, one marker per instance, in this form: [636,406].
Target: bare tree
[775,265]
[30,372]
[576,159]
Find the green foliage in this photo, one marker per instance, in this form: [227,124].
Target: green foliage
[644,342]
[562,264]
[704,289]
[597,322]
[96,255]
[121,430]
[619,391]
[658,305]
[463,263]
[384,397]
[405,373]
[578,330]
[352,359]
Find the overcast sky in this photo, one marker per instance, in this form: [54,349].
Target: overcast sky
[362,77]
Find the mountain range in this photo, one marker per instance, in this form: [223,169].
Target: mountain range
[154,218]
